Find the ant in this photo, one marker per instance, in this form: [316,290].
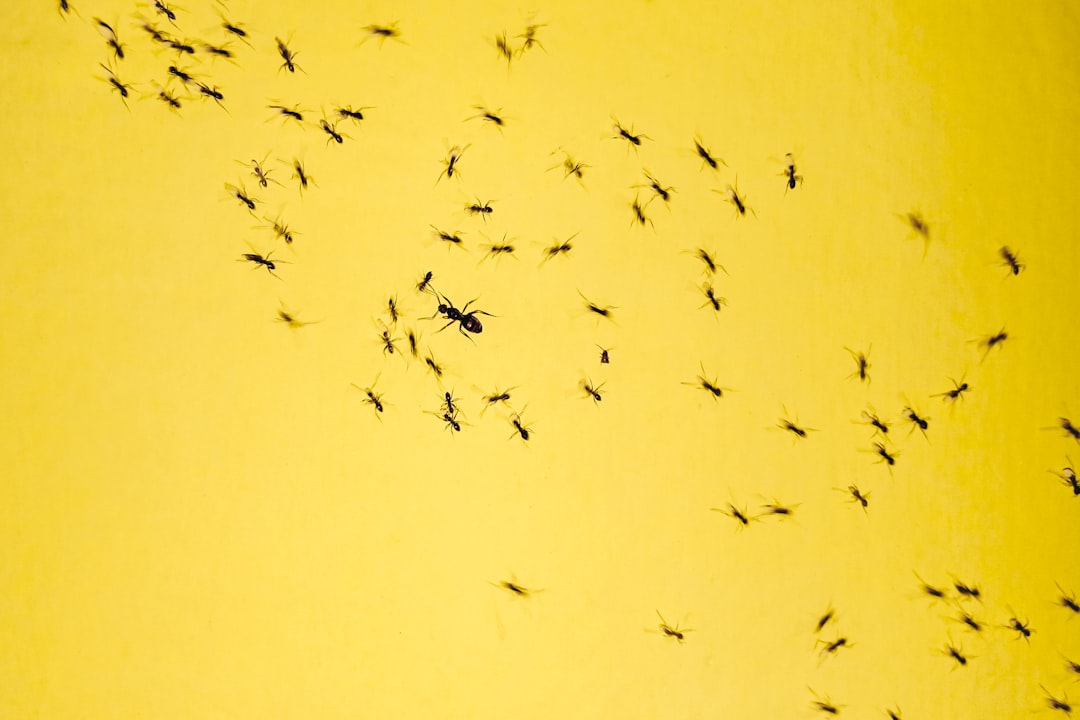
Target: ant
[258,259]
[388,342]
[735,199]
[383,32]
[862,364]
[605,356]
[557,248]
[1021,628]
[1070,430]
[1011,260]
[450,404]
[331,130]
[280,229]
[1068,600]
[163,9]
[183,76]
[451,161]
[957,392]
[294,112]
[467,321]
[775,508]
[793,428]
[450,420]
[917,421]
[414,348]
[1055,704]
[423,283]
[170,100]
[492,117]
[106,31]
[893,714]
[880,426]
[934,592]
[918,224]
[483,209]
[217,52]
[825,705]
[711,298]
[452,238]
[711,265]
[235,29]
[347,113]
[989,342]
[529,39]
[498,396]
[604,312]
[628,135]
[571,166]
[706,156]
[287,55]
[301,175]
[885,455]
[241,194]
[213,93]
[391,306]
[707,385]
[374,399]
[1068,477]
[824,620]
[857,496]
[639,215]
[955,653]
[970,621]
[120,87]
[593,392]
[259,172]
[662,192]
[155,34]
[520,430]
[516,589]
[290,319]
[503,46]
[1072,666]
[789,173]
[735,514]
[967,591]
[435,367]
[831,648]
[672,632]
[181,47]
[64,8]
[498,250]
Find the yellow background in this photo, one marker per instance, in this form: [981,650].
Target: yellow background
[201,518]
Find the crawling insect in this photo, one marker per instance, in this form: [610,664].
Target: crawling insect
[181,46]
[1068,428]
[711,266]
[300,175]
[497,250]
[969,620]
[639,214]
[492,116]
[451,161]
[736,514]
[825,619]
[163,9]
[414,343]
[955,653]
[893,713]
[280,229]
[989,342]
[777,509]
[293,113]
[263,261]
[496,397]
[424,282]
[706,156]
[710,386]
[111,40]
[503,46]
[930,590]
[451,239]
[374,399]
[528,39]
[711,298]
[515,588]
[436,368]
[483,209]
[259,172]
[871,418]
[1022,628]
[793,428]
[605,355]
[919,226]
[451,421]
[604,312]
[389,348]
[1067,600]
[917,421]
[739,201]
[392,308]
[592,392]
[450,404]
[235,29]
[155,34]
[208,91]
[884,454]
[1071,666]
[570,167]
[347,113]
[289,56]
[862,364]
[857,496]
[171,100]
[628,135]
[216,51]
[1055,704]
[1068,477]
[118,86]
[181,75]
[557,248]
[825,705]
[520,430]
[664,193]
[672,632]
[289,318]
[331,130]
[793,179]
[1010,260]
[242,195]
[383,33]
[967,591]
[834,646]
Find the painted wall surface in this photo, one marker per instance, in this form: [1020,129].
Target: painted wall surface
[209,509]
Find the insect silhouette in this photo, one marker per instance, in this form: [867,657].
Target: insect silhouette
[919,226]
[957,392]
[628,135]
[1070,430]
[604,312]
[930,590]
[605,355]
[1068,477]
[451,420]
[711,266]
[163,9]
[528,39]
[383,33]
[424,281]
[739,201]
[301,176]
[436,368]
[392,308]
[122,88]
[664,193]
[779,510]
[242,195]
[467,321]
[570,167]
[557,248]
[884,454]
[450,404]
[414,343]
[515,588]
[496,397]
[735,514]
[111,39]
[280,229]
[967,591]
[451,239]
[793,179]
[857,496]
[263,261]
[259,172]
[834,646]
[1010,260]
[64,9]
[492,116]
[235,29]
[711,298]
[289,318]
[862,364]
[348,113]
[293,113]
[592,392]
[1054,704]
[453,157]
[706,156]
[825,619]
[989,342]
[675,632]
[955,653]
[639,214]
[1072,666]
[213,93]
[483,209]
[917,421]
[181,75]
[503,46]
[824,704]
[288,56]
[1067,600]
[374,399]
[520,430]
[793,427]
[871,418]
[497,250]
[331,131]
[218,51]
[1021,628]
[389,348]
[155,34]
[893,713]
[710,386]
[968,619]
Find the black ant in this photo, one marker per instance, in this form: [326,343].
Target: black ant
[287,55]
[391,306]
[571,167]
[880,426]
[857,496]
[957,392]
[451,161]
[490,116]
[919,225]
[782,511]
[793,428]
[120,87]
[708,385]
[604,312]
[280,229]
[217,51]
[155,34]
[424,281]
[183,76]
[172,101]
[917,421]
[260,173]
[893,714]
[520,430]
[789,173]
[824,620]
[496,397]
[483,209]
[529,39]
[639,214]
[1072,666]
[300,174]
[989,342]
[1067,426]
[180,46]
[739,201]
[970,621]
[928,589]
[955,653]
[466,320]
[672,632]
[383,32]
[452,239]
[503,46]
[605,356]
[558,248]
[290,319]
[1011,260]
[706,156]
[450,420]
[862,364]
[1068,477]
[374,399]
[628,135]
[450,404]
[294,112]
[106,31]
[711,266]
[347,113]
[1068,600]
[886,456]
[387,341]
[593,392]
[414,347]
[516,588]
[436,368]
[1022,628]
[825,705]
[497,250]
[241,194]
[235,29]
[831,648]
[64,8]
[967,591]
[258,259]
[165,10]
[213,93]
[735,514]
[711,298]
[1055,704]
[664,193]
[331,130]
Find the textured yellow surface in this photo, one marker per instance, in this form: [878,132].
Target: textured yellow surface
[201,517]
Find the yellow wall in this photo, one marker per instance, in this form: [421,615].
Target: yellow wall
[201,518]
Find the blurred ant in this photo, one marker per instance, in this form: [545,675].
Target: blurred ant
[435,367]
[374,399]
[453,239]
[181,47]
[1071,666]
[1011,260]
[989,342]
[672,632]
[514,588]
[503,46]
[423,283]
[893,714]
[604,312]
[213,93]
[241,194]
[919,225]
[64,8]
[414,348]
[383,32]
[593,392]
[824,620]
[391,306]
[529,39]
[181,75]
[857,496]
[155,34]
[172,101]
[498,250]
[290,319]
[106,31]
[917,421]
[557,248]
[498,396]
[1068,476]
[664,193]
[451,161]
[120,87]
[708,385]
[288,56]
[1022,629]
[970,621]
[216,51]
[781,511]
[885,455]
[967,591]
[259,172]
[789,173]
[388,342]
[628,135]
[711,266]
[260,260]
[571,167]
[490,116]
[1069,429]
[957,392]
[293,113]
[605,356]
[880,426]
[706,156]
[928,589]
[466,320]
[1068,600]
[955,653]
[831,648]
[1055,704]
[824,705]
[331,130]
[280,229]
[347,113]
[520,430]
[483,209]
[639,215]
[793,428]
[862,363]
[711,298]
[300,174]
[735,514]
[738,201]
[235,30]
